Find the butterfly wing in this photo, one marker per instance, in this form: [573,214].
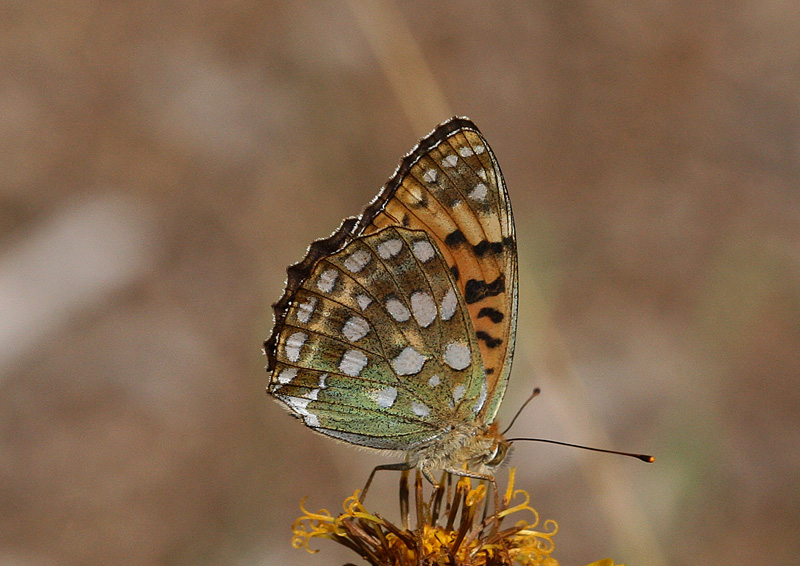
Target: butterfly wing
[450,193]
[451,187]
[376,347]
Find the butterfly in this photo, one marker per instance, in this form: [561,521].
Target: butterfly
[397,331]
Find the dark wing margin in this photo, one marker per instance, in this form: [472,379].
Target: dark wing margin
[353,227]
[297,274]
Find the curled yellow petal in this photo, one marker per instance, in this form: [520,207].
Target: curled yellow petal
[458,533]
[475,496]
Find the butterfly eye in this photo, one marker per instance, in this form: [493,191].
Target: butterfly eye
[497,455]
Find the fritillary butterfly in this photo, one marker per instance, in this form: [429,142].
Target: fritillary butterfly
[397,331]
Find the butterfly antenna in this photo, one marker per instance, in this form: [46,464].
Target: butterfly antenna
[642,457]
[536,391]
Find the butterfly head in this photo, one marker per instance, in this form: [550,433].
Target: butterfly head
[498,451]
[492,449]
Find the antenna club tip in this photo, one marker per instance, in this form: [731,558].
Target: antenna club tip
[646,458]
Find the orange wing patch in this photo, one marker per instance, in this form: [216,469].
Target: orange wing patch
[454,191]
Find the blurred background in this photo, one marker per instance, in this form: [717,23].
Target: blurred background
[163,162]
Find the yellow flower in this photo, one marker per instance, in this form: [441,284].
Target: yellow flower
[458,529]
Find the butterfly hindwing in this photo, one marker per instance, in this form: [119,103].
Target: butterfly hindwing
[376,347]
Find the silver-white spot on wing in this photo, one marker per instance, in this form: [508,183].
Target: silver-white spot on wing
[479,192]
[357,261]
[390,248]
[327,280]
[434,380]
[423,250]
[355,328]
[385,397]
[294,344]
[457,355]
[408,362]
[352,362]
[458,392]
[450,161]
[430,176]
[306,310]
[287,375]
[481,398]
[419,409]
[363,301]
[398,310]
[449,304]
[299,405]
[424,308]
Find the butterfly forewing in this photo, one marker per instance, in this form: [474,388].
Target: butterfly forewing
[451,187]
[376,348]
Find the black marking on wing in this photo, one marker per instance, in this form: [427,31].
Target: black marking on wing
[492,314]
[484,246]
[476,290]
[455,238]
[487,338]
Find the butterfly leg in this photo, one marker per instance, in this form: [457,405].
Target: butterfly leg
[468,474]
[429,476]
[398,467]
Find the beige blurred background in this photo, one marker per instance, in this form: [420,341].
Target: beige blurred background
[163,162]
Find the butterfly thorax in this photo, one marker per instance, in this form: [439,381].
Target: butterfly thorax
[475,448]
